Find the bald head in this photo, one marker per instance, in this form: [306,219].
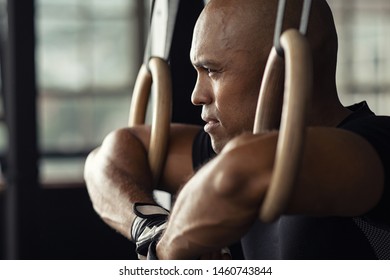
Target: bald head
[249,25]
[243,25]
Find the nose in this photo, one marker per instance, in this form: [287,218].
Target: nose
[202,93]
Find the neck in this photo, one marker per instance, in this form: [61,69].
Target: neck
[327,111]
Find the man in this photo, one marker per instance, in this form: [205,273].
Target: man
[340,205]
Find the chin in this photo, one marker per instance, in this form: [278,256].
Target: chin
[217,145]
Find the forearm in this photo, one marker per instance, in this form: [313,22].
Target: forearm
[211,212]
[117,175]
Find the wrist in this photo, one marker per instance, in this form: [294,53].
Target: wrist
[148,226]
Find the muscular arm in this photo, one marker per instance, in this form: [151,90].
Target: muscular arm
[117,174]
[340,175]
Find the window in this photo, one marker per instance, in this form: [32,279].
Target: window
[364,41]
[88,55]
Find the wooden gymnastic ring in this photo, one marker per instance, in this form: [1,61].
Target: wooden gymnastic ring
[159,77]
[269,106]
[298,87]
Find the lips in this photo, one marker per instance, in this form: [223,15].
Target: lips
[211,124]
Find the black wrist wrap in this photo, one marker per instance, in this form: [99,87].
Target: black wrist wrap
[148,225]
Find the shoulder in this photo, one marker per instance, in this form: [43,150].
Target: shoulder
[376,131]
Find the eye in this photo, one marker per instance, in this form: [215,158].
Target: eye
[210,71]
[206,69]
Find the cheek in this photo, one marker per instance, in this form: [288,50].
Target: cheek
[237,115]
[237,104]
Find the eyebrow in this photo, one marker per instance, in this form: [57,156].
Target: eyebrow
[206,62]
